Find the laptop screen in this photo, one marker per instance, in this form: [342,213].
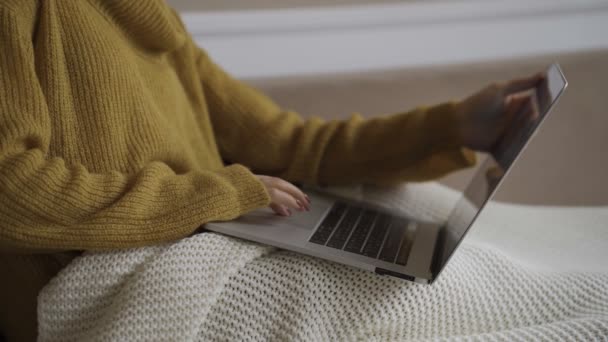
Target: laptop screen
[492,170]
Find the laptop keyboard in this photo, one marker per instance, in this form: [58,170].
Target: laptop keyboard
[338,239]
[366,232]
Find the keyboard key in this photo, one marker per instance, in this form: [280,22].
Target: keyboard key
[322,234]
[376,237]
[357,239]
[393,240]
[345,227]
[329,223]
[335,214]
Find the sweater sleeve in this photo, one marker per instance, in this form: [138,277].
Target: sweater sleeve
[418,145]
[46,204]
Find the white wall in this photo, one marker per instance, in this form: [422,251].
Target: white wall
[283,42]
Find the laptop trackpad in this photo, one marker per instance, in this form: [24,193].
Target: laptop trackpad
[306,220]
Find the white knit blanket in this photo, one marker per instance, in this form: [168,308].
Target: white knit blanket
[211,287]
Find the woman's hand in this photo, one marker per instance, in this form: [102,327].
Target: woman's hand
[485,116]
[284,195]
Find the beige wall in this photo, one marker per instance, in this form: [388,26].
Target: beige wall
[219,5]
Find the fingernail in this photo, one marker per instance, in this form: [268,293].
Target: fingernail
[300,206]
[288,212]
[307,199]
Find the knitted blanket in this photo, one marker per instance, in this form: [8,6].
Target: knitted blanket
[212,287]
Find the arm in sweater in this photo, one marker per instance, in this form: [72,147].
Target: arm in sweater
[48,205]
[251,129]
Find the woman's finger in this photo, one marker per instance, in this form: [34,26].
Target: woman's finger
[493,176]
[523,84]
[279,209]
[514,106]
[281,197]
[517,115]
[513,113]
[534,107]
[291,189]
[528,112]
[528,119]
[520,115]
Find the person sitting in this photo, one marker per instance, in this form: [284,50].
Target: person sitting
[117,131]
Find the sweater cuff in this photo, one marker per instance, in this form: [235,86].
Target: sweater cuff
[442,120]
[250,192]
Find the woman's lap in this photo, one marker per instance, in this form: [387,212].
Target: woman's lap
[214,287]
[284,295]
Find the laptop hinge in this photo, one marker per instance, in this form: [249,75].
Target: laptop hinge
[438,253]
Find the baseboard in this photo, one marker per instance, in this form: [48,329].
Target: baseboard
[284,42]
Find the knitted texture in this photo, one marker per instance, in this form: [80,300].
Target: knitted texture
[215,288]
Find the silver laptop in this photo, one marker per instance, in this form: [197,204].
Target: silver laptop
[368,237]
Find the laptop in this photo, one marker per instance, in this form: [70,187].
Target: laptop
[369,237]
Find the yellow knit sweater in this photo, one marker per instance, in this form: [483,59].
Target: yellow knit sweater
[115,130]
